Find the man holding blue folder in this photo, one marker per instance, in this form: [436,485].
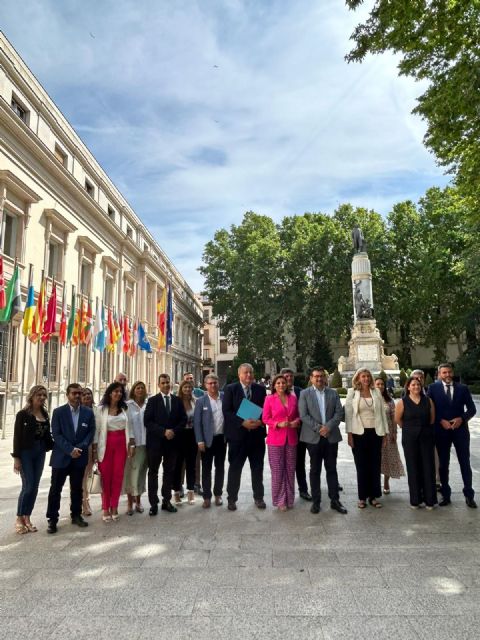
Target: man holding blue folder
[245,434]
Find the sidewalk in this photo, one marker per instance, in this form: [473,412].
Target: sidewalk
[392,573]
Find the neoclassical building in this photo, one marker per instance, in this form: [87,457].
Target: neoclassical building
[62,216]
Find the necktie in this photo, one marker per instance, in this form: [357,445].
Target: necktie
[449,392]
[248,393]
[167,404]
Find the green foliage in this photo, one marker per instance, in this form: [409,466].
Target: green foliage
[468,366]
[474,388]
[342,392]
[428,380]
[383,376]
[402,377]
[336,380]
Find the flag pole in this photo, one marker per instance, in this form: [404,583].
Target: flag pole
[69,363]
[24,367]
[49,349]
[60,346]
[93,347]
[7,368]
[37,343]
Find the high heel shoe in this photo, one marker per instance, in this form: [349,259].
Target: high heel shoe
[86,509]
[177,497]
[21,528]
[31,527]
[191,497]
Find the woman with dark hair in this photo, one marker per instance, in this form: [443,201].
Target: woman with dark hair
[31,440]
[186,446]
[112,438]
[280,414]
[392,466]
[366,425]
[415,413]
[136,466]
[87,401]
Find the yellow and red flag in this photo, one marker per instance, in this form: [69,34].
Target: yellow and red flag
[39,316]
[51,320]
[162,320]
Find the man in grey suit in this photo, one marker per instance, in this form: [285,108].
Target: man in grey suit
[208,422]
[321,412]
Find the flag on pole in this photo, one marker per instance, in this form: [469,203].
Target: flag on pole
[13,298]
[111,331]
[62,332]
[143,342]
[3,300]
[77,326]
[71,320]
[133,342]
[120,330]
[88,327]
[161,319]
[39,316]
[29,312]
[51,320]
[169,317]
[126,335]
[100,329]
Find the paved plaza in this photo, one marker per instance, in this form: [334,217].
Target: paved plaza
[391,573]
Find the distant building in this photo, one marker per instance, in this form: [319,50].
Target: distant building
[218,353]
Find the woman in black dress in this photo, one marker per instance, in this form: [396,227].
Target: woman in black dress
[415,413]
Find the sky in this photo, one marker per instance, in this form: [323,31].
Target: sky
[201,110]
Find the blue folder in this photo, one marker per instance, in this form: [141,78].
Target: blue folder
[249,410]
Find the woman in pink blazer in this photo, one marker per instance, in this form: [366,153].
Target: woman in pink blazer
[280,414]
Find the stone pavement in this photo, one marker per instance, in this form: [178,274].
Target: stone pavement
[391,573]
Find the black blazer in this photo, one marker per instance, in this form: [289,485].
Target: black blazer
[24,432]
[232,397]
[156,419]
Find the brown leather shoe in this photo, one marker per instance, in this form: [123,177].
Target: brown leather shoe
[260,504]
[218,501]
[206,503]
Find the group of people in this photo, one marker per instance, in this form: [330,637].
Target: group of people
[128,440]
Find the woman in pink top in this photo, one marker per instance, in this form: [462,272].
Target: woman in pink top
[280,414]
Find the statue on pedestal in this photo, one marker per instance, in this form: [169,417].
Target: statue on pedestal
[359,242]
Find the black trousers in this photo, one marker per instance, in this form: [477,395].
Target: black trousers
[419,448]
[367,453]
[251,446]
[460,438]
[187,448]
[158,451]
[327,452]
[300,468]
[217,451]
[76,473]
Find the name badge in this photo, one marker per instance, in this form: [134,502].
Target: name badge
[84,424]
[205,408]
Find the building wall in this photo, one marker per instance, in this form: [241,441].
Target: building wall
[218,353]
[59,224]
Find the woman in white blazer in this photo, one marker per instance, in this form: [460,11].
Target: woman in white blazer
[366,426]
[111,443]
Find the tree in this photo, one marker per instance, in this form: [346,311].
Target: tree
[438,41]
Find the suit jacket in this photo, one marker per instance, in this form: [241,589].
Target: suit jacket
[352,421]
[101,418]
[273,413]
[232,398]
[311,418]
[156,419]
[65,440]
[461,405]
[203,420]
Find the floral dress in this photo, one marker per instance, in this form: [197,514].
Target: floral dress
[392,465]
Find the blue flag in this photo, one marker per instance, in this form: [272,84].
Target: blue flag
[100,330]
[143,343]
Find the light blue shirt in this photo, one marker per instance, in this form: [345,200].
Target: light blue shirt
[75,416]
[321,402]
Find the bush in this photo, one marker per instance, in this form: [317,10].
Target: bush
[397,393]
[383,376]
[342,392]
[475,387]
[403,377]
[428,380]
[336,381]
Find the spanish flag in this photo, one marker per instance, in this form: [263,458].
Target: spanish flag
[29,312]
[39,316]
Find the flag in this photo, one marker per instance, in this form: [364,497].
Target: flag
[39,316]
[120,329]
[62,332]
[161,319]
[111,332]
[133,343]
[13,298]
[71,320]
[143,342]
[126,335]
[77,326]
[99,330]
[116,328]
[51,320]
[29,311]
[88,326]
[3,301]
[169,317]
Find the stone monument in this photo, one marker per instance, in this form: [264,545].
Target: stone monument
[365,348]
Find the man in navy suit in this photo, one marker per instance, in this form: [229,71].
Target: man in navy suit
[73,428]
[454,407]
[246,438]
[164,417]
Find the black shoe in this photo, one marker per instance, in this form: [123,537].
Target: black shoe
[340,488]
[52,527]
[153,510]
[232,505]
[445,502]
[305,495]
[198,489]
[438,487]
[260,504]
[471,503]
[338,506]
[182,492]
[315,508]
[79,521]
[168,506]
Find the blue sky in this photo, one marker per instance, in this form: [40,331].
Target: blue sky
[200,110]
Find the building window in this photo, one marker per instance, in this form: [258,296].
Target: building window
[20,110]
[86,278]
[60,155]
[206,315]
[50,359]
[206,336]
[111,213]
[9,234]
[89,188]
[55,261]
[82,362]
[129,232]
[206,354]
[223,346]
[106,368]
[4,337]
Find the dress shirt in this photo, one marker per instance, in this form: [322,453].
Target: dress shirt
[320,395]
[218,419]
[445,386]
[247,390]
[75,416]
